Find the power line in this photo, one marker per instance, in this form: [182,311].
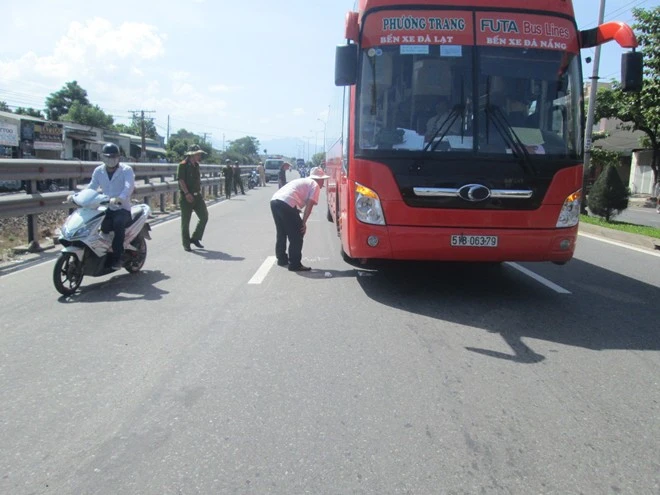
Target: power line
[608,16]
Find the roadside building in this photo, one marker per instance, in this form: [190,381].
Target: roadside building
[9,135]
[37,138]
[82,142]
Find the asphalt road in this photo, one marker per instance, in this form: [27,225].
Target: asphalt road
[639,215]
[218,372]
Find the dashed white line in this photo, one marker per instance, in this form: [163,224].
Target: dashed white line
[539,278]
[263,270]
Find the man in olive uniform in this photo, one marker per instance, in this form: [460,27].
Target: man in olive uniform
[228,172]
[238,181]
[189,178]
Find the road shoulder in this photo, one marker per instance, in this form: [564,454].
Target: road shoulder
[637,240]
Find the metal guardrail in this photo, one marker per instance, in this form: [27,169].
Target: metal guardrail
[32,204]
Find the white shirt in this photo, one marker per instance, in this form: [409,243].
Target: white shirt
[120,186]
[297,192]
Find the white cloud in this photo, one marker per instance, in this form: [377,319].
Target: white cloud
[219,88]
[298,112]
[92,49]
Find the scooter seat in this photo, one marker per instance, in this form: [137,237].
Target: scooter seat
[136,212]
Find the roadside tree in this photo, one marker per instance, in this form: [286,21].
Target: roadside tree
[640,112]
[87,115]
[135,127]
[318,159]
[608,196]
[32,112]
[247,146]
[59,102]
[177,146]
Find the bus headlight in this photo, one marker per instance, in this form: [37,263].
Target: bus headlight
[570,212]
[367,206]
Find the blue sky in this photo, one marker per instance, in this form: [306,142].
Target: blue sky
[228,69]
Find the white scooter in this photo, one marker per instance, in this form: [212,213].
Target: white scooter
[86,249]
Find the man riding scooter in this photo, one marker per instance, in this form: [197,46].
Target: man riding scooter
[117,181]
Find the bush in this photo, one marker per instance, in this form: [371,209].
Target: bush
[608,196]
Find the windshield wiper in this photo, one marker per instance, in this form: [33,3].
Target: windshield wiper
[449,121]
[510,137]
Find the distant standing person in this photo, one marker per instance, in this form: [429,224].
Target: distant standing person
[238,180]
[281,175]
[284,205]
[262,174]
[657,196]
[228,173]
[190,185]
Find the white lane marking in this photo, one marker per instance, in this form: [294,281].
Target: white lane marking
[620,244]
[263,270]
[539,278]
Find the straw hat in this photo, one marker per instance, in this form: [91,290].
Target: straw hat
[195,150]
[318,173]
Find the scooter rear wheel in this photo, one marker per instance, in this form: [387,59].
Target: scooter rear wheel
[67,274]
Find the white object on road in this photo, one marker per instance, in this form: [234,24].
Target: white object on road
[328,275]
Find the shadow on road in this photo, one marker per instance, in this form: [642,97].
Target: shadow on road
[216,255]
[125,287]
[606,310]
[320,273]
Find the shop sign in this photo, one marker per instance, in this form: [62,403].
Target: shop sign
[8,134]
[45,136]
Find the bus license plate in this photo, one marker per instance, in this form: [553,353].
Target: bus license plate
[474,240]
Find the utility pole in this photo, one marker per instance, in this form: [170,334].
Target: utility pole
[168,128]
[325,125]
[206,134]
[590,113]
[143,155]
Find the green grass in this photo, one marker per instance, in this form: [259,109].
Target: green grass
[622,226]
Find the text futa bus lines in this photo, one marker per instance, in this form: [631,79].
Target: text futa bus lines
[457,130]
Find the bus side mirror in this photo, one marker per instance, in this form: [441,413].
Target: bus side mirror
[346,57]
[632,77]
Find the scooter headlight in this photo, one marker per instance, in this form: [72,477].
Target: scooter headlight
[83,231]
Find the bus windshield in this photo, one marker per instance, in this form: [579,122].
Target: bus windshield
[432,98]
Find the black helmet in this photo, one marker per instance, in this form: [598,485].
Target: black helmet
[110,149]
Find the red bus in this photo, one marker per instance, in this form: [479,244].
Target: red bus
[457,129]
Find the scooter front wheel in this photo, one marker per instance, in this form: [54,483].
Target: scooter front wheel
[67,274]
[136,258]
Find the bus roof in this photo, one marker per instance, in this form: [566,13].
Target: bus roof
[564,7]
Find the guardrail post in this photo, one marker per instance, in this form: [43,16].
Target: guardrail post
[146,198]
[162,197]
[32,222]
[215,187]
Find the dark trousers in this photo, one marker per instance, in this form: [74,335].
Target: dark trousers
[287,225]
[199,207]
[238,182]
[228,184]
[116,221]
